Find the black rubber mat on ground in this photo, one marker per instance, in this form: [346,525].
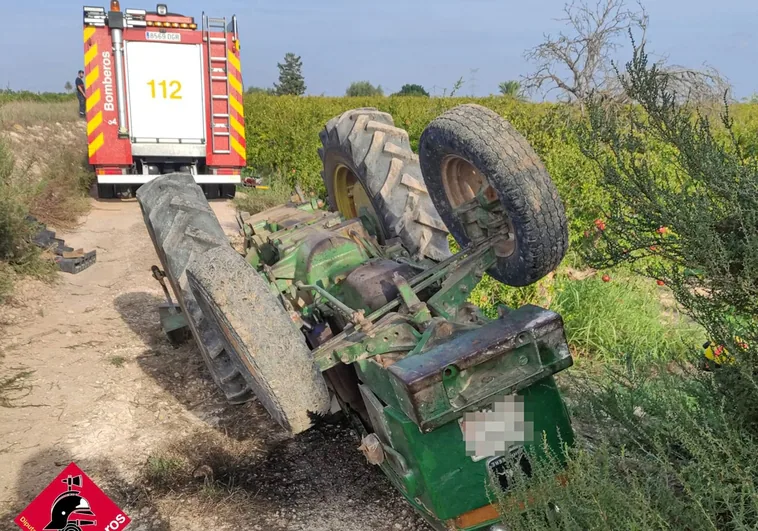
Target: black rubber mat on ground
[67,258]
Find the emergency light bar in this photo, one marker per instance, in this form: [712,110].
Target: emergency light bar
[94,16]
[138,18]
[135,18]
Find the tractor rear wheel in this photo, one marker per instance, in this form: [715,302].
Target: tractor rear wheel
[488,184]
[262,337]
[370,171]
[182,225]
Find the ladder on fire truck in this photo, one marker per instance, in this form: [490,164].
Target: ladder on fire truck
[218,72]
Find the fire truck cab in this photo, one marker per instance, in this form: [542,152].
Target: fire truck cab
[162,95]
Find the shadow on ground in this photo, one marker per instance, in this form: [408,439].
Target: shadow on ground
[244,465]
[181,372]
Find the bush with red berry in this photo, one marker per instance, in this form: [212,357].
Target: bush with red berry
[683,206]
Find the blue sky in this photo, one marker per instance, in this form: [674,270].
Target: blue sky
[391,42]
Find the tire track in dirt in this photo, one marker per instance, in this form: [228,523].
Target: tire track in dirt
[143,418]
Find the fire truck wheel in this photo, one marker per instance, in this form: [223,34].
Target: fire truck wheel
[105,191]
[370,171]
[181,225]
[478,167]
[261,335]
[228,191]
[211,191]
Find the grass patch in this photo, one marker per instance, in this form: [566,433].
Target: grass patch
[43,173]
[163,471]
[7,276]
[34,113]
[669,454]
[13,388]
[117,361]
[60,195]
[206,463]
[622,319]
[254,200]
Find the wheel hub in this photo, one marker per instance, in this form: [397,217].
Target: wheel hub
[473,197]
[353,201]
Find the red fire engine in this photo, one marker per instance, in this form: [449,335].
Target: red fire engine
[162,95]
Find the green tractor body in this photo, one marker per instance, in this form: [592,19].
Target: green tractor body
[419,355]
[445,400]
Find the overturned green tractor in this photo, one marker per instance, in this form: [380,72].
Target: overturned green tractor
[362,307]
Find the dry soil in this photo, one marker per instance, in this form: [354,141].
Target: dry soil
[105,389]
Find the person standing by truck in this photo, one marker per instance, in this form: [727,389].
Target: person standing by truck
[80,92]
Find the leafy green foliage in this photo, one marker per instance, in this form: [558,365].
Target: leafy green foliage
[683,203]
[411,90]
[259,90]
[254,200]
[360,89]
[291,81]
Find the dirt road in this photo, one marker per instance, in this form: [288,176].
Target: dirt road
[106,390]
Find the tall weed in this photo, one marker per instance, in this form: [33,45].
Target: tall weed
[660,451]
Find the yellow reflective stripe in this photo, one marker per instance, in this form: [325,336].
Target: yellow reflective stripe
[96,144]
[237,106]
[234,60]
[94,123]
[90,54]
[236,146]
[235,83]
[237,127]
[92,76]
[89,31]
[93,99]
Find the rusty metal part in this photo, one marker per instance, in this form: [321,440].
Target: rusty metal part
[462,181]
[370,286]
[371,447]
[499,358]
[160,276]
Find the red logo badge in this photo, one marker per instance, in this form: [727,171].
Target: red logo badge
[72,502]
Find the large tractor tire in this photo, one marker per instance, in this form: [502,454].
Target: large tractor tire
[471,150]
[182,225]
[259,332]
[371,171]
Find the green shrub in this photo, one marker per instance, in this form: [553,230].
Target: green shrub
[657,452]
[7,96]
[683,203]
[254,200]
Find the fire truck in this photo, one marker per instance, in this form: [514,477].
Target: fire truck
[162,95]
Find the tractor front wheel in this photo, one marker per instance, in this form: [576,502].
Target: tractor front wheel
[488,184]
